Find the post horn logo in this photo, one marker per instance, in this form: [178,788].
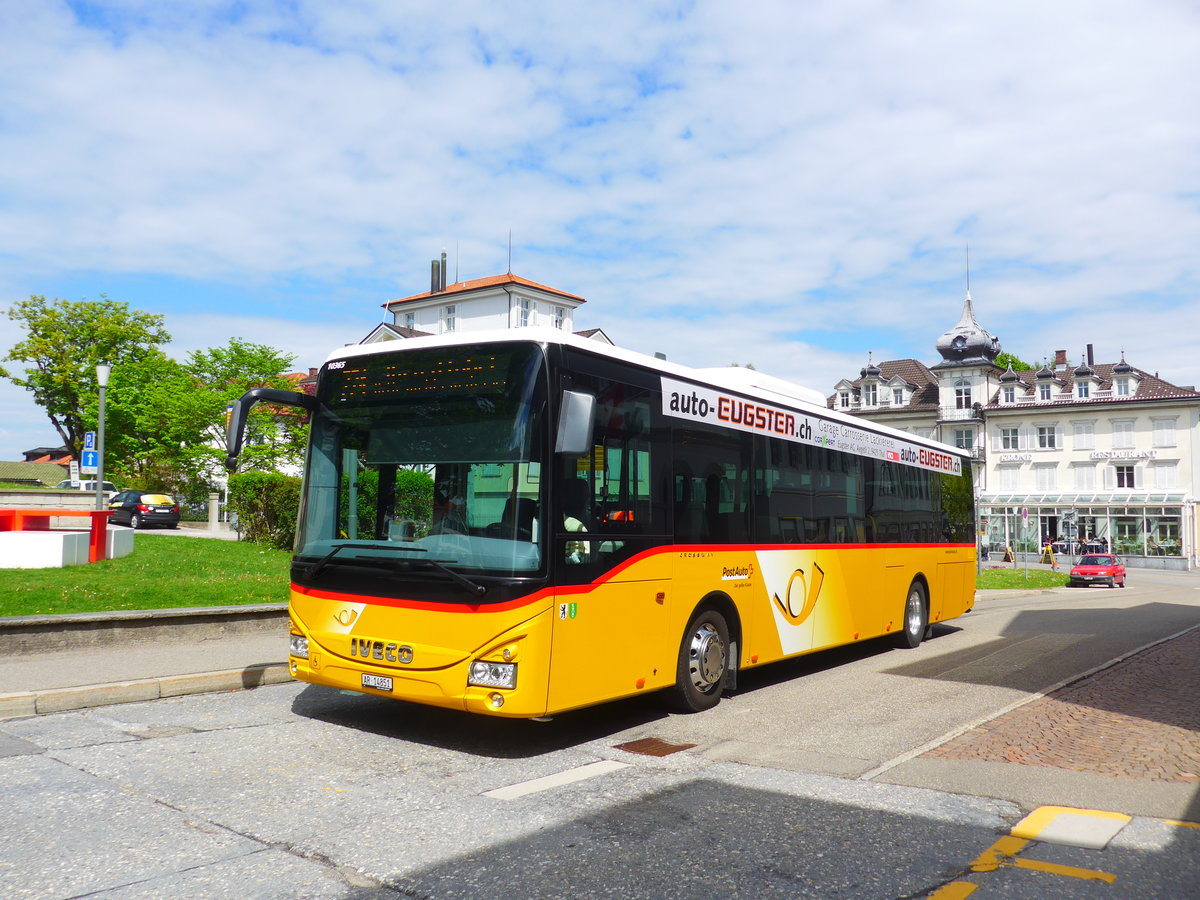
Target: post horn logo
[346,616]
[803,595]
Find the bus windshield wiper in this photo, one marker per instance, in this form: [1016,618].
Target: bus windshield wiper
[315,569]
[474,587]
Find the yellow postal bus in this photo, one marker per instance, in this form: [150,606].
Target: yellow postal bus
[520,523]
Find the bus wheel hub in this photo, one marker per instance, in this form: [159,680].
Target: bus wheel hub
[707,657]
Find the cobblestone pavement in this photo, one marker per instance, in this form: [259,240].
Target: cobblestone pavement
[1138,719]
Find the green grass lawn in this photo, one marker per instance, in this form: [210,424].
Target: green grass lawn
[1019,579]
[162,572]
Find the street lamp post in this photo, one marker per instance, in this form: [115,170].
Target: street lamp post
[102,371]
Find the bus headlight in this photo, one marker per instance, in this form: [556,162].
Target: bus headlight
[299,646]
[493,674]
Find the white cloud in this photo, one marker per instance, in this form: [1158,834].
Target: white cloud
[807,174]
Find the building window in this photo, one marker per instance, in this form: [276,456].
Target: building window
[1166,475]
[964,438]
[1044,392]
[1046,437]
[560,317]
[1046,477]
[1164,432]
[1124,476]
[449,316]
[1122,434]
[523,312]
[1085,477]
[1010,394]
[897,396]
[1010,478]
[1085,436]
[1083,390]
[410,320]
[1122,385]
[1010,438]
[962,395]
[844,399]
[868,395]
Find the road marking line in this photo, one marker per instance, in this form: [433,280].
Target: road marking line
[1003,853]
[570,776]
[1088,828]
[1068,871]
[955,890]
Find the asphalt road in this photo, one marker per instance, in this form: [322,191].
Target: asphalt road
[811,781]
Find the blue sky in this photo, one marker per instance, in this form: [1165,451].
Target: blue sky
[786,184]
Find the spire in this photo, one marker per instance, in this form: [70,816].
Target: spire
[968,342]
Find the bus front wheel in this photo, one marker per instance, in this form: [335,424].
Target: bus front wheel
[916,616]
[703,662]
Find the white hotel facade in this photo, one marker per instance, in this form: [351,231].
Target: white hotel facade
[1104,452]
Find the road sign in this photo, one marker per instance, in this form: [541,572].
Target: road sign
[90,462]
[1025,513]
[89,440]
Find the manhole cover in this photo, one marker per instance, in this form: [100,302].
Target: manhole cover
[653,747]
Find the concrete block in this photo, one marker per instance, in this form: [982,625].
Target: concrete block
[15,706]
[120,542]
[42,549]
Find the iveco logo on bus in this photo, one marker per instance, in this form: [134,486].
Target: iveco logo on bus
[401,653]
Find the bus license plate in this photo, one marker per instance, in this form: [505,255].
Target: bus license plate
[378,682]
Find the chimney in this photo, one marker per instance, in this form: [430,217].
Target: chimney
[1091,356]
[312,371]
[444,267]
[435,277]
[1060,359]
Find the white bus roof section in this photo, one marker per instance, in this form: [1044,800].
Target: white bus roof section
[750,382]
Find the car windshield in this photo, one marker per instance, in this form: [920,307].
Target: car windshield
[427,461]
[1096,561]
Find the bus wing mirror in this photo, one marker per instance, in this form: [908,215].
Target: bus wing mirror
[576,417]
[238,410]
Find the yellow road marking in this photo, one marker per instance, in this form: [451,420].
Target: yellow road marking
[1069,871]
[1037,821]
[955,890]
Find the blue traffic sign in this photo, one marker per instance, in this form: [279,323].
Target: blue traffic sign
[89,460]
[89,440]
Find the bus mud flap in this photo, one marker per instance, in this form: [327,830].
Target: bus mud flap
[730,681]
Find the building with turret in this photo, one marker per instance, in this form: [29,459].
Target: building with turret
[1100,455]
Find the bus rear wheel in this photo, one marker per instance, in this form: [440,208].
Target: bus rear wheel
[916,616]
[703,663]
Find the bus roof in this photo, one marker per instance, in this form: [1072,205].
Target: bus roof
[745,381]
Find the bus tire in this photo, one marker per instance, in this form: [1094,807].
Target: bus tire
[703,662]
[916,616]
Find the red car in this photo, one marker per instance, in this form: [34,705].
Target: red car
[1098,568]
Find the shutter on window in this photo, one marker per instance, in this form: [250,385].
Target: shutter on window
[1110,477]
[995,439]
[1059,441]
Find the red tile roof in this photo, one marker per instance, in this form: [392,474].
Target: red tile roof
[479,284]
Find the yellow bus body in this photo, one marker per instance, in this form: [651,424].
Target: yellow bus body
[619,636]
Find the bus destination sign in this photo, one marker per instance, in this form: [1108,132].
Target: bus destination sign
[682,400]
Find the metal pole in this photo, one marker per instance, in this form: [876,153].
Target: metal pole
[102,371]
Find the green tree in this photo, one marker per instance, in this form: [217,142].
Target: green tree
[64,340]
[156,427]
[1019,365]
[275,436]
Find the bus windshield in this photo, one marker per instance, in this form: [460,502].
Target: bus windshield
[427,461]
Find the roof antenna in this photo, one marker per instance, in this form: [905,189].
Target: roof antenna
[510,251]
[456,260]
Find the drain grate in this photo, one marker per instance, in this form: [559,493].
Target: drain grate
[653,747]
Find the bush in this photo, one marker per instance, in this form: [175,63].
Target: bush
[267,505]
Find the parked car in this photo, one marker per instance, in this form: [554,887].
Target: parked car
[1098,568]
[139,509]
[110,489]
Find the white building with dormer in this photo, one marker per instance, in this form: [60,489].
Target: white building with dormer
[482,304]
[1093,454]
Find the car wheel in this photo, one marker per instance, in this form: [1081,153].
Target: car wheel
[702,663]
[135,521]
[1122,582]
[916,617]
[1112,582]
